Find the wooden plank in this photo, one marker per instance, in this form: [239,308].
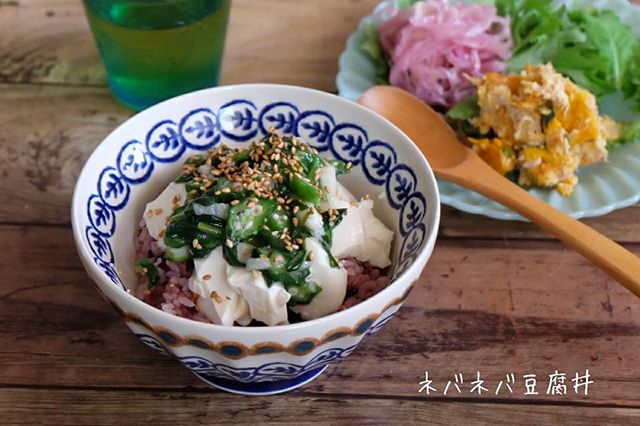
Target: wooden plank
[480,305]
[49,131]
[43,41]
[47,41]
[80,406]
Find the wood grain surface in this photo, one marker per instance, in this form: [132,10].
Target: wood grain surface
[496,297]
[205,408]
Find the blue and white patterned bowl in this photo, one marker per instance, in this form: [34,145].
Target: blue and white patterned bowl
[603,187]
[133,164]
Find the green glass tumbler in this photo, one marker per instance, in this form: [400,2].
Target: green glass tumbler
[156,49]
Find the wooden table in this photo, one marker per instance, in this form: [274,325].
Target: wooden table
[497,297]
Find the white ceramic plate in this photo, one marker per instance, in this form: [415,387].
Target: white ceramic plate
[603,187]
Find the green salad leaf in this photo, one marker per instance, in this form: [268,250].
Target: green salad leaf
[371,46]
[406,3]
[631,87]
[603,62]
[630,133]
[532,21]
[592,47]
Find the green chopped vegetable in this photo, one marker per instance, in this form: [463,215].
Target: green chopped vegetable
[328,234]
[247,217]
[179,254]
[340,166]
[210,229]
[278,221]
[179,233]
[304,189]
[507,151]
[332,260]
[184,178]
[196,160]
[310,163]
[231,255]
[242,156]
[304,294]
[192,186]
[296,260]
[147,267]
[292,271]
[226,191]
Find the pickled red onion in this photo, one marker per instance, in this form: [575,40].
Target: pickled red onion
[434,44]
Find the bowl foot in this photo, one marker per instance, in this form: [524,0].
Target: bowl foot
[261,388]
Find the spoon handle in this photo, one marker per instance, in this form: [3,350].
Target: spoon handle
[612,258]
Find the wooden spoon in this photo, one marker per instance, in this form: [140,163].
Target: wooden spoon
[452,161]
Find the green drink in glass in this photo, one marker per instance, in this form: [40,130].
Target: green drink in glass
[156,49]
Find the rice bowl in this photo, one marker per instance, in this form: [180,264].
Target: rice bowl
[133,164]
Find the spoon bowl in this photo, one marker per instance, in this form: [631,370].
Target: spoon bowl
[442,148]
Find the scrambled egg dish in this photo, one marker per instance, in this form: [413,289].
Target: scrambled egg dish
[541,125]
